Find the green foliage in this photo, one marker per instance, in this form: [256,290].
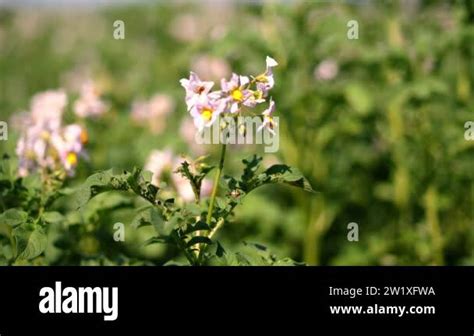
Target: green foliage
[183,226]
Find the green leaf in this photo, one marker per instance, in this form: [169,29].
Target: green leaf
[283,174]
[114,179]
[53,217]
[359,98]
[13,217]
[251,166]
[94,185]
[147,216]
[158,240]
[29,244]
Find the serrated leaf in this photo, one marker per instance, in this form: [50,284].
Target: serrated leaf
[29,244]
[147,216]
[251,166]
[283,174]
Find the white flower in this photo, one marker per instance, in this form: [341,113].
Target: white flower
[268,121]
[206,110]
[236,91]
[265,81]
[195,89]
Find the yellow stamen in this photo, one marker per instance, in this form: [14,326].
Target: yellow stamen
[237,95]
[84,137]
[206,114]
[258,94]
[262,78]
[71,159]
[45,135]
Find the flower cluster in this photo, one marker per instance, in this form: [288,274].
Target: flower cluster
[163,164]
[205,106]
[45,144]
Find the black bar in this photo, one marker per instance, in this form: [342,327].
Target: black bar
[246,299]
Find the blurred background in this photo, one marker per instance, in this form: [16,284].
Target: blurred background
[375,123]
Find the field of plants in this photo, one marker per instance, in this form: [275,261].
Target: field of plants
[369,101]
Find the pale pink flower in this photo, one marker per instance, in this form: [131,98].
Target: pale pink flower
[188,131]
[206,110]
[44,143]
[140,111]
[69,145]
[236,91]
[326,70]
[265,81]
[195,89]
[159,162]
[47,108]
[153,113]
[89,103]
[206,188]
[163,165]
[186,27]
[183,186]
[211,67]
[160,105]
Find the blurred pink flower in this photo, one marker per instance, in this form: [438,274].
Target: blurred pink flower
[163,165]
[153,112]
[206,188]
[89,103]
[186,28]
[160,105]
[182,185]
[159,162]
[47,108]
[211,67]
[209,20]
[44,144]
[326,70]
[188,132]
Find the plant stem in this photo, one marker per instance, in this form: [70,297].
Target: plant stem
[213,199]
[216,185]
